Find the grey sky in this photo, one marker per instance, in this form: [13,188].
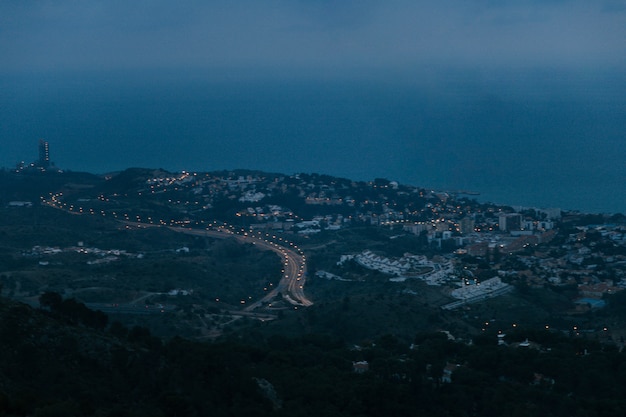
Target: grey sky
[312,36]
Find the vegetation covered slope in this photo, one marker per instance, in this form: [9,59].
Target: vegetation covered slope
[52,365]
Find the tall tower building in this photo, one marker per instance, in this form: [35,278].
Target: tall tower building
[44,154]
[467,224]
[510,221]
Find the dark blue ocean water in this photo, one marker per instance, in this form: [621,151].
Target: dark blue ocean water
[535,140]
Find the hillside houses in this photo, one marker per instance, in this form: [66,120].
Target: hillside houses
[409,266]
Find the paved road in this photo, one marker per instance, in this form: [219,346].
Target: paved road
[292,282]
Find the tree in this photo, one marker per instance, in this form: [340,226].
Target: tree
[118,330]
[496,256]
[50,300]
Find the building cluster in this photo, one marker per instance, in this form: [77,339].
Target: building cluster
[409,266]
[101,255]
[42,163]
[521,244]
[473,290]
[280,202]
[331,277]
[591,259]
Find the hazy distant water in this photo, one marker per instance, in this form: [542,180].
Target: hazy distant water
[528,141]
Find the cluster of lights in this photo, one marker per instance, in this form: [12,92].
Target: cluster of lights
[288,250]
[576,329]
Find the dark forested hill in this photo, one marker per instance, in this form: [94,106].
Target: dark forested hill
[54,365]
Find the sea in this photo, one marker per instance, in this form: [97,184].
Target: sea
[533,139]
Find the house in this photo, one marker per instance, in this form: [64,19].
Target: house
[597,290]
[360,367]
[448,370]
[20,204]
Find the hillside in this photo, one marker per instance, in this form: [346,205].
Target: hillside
[51,365]
[199,255]
[248,293]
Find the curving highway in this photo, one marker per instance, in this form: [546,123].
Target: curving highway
[293,279]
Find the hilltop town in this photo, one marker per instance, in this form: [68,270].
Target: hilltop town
[574,248]
[463,250]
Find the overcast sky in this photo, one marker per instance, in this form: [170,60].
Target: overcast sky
[324,36]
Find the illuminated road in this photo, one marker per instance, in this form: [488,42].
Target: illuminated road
[293,278]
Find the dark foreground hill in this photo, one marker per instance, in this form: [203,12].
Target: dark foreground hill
[51,364]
